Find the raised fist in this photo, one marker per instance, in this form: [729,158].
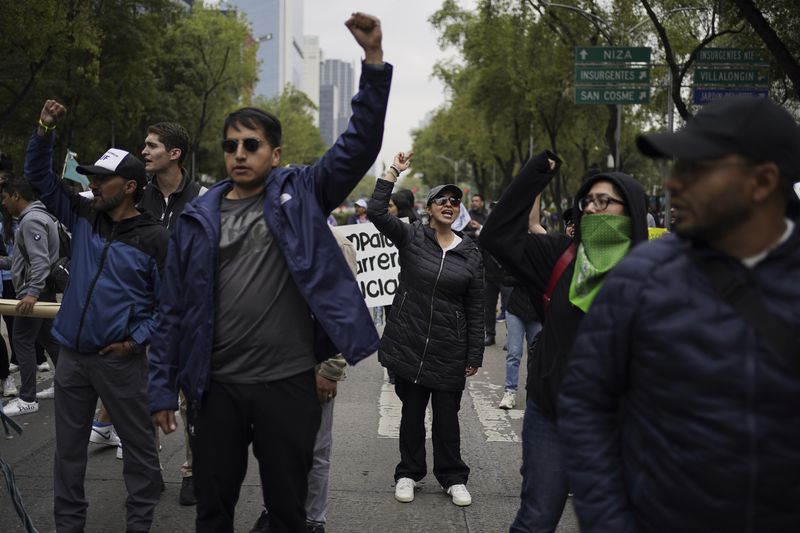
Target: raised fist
[52,112]
[367,31]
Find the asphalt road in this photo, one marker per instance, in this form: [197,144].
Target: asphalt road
[366,421]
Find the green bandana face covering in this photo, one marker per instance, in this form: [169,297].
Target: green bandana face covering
[605,239]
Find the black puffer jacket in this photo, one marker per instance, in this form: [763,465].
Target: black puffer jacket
[435,328]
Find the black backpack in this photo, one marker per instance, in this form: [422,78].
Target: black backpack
[59,271]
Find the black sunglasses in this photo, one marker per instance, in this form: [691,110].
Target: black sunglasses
[250,144]
[441,200]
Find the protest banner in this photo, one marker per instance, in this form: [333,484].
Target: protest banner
[378,262]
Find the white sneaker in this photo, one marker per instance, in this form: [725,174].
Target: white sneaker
[18,406]
[104,435]
[12,368]
[10,387]
[460,495]
[46,394]
[509,400]
[44,367]
[404,490]
[119,450]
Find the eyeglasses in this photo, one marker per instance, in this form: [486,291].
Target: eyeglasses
[250,144]
[600,201]
[441,200]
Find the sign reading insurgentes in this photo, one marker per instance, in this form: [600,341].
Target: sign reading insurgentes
[611,76]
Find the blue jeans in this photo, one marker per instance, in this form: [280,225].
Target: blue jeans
[544,475]
[517,332]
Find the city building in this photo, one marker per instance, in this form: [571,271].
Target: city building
[312,59]
[337,74]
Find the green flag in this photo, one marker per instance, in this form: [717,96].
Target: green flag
[71,170]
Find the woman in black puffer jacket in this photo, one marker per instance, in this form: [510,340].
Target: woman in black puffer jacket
[433,337]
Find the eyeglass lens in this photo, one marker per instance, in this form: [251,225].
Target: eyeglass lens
[441,200]
[250,145]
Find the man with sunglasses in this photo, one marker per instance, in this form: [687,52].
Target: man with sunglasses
[610,218]
[679,407]
[254,287]
[106,319]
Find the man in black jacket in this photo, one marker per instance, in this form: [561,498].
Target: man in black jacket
[170,187]
[678,409]
[610,211]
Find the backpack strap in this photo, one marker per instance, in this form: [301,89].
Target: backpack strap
[561,265]
[748,303]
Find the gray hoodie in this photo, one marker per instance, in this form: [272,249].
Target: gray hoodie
[35,249]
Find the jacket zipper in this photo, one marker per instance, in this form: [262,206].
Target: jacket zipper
[430,320]
[402,303]
[92,285]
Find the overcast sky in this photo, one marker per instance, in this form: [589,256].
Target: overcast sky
[409,43]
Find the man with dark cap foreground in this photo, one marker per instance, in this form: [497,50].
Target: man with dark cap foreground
[678,411]
[106,319]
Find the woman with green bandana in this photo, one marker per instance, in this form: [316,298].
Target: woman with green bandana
[610,218]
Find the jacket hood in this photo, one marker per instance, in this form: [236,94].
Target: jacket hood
[635,199]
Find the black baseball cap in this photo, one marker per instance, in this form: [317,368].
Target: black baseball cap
[440,189]
[116,162]
[755,128]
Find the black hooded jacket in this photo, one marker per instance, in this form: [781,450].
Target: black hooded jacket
[165,212]
[530,258]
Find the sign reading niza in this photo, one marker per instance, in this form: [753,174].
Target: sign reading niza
[612,54]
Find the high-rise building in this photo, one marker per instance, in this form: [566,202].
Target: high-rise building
[277,26]
[312,59]
[338,74]
[328,110]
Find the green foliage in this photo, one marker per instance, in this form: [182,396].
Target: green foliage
[119,65]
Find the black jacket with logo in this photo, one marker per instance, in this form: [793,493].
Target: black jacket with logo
[435,328]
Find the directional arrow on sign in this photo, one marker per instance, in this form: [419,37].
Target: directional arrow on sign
[583,54]
[643,95]
[643,75]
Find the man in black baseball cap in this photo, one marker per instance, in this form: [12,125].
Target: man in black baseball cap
[109,192]
[719,377]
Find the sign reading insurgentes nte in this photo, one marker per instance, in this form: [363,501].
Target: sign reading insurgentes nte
[732,56]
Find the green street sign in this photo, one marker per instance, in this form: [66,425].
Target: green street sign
[587,95]
[730,76]
[612,76]
[729,56]
[612,54]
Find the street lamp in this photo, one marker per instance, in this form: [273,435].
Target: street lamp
[452,162]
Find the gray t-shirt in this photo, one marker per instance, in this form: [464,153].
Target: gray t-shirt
[263,329]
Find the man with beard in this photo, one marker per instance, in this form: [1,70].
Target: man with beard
[678,410]
[107,315]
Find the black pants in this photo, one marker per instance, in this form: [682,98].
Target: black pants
[281,419]
[448,467]
[29,331]
[490,292]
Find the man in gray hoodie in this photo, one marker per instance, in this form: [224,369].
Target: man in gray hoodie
[35,250]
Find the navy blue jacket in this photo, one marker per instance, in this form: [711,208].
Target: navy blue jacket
[296,206]
[114,268]
[674,414]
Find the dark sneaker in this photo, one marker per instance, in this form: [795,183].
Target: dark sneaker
[186,496]
[262,524]
[488,340]
[315,528]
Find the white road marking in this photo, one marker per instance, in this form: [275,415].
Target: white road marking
[496,422]
[390,410]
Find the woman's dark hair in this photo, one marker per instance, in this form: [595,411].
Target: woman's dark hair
[404,202]
[254,118]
